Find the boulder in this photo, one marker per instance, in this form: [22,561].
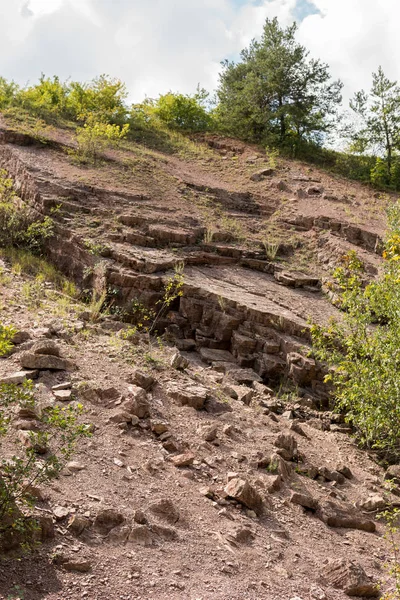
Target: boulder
[260,175]
[136,402]
[30,360]
[166,510]
[189,395]
[350,577]
[143,380]
[183,460]
[373,503]
[287,446]
[179,362]
[304,500]
[242,491]
[107,519]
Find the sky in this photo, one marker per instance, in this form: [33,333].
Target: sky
[160,45]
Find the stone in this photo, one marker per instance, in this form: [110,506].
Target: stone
[18,377]
[159,426]
[62,395]
[183,460]
[77,524]
[242,491]
[141,379]
[136,402]
[166,510]
[373,503]
[21,337]
[345,471]
[47,347]
[350,577]
[301,369]
[260,175]
[166,533]
[179,362]
[331,475]
[67,385]
[287,446]
[78,566]
[140,517]
[304,500]
[210,433]
[75,466]
[243,394]
[393,473]
[335,517]
[189,395]
[141,536]
[211,355]
[107,519]
[60,512]
[29,360]
[273,484]
[297,428]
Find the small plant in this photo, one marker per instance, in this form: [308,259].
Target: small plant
[34,292]
[391,518]
[96,248]
[209,234]
[271,248]
[97,304]
[39,460]
[7,333]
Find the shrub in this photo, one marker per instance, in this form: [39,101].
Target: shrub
[363,351]
[7,333]
[179,111]
[94,137]
[39,459]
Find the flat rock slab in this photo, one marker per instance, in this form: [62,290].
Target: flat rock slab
[18,377]
[29,360]
[210,355]
[190,395]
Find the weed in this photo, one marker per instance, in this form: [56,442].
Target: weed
[34,292]
[7,333]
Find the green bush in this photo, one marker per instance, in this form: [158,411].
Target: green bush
[7,333]
[183,112]
[37,461]
[363,350]
[95,136]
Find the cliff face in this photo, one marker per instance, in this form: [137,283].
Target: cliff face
[256,240]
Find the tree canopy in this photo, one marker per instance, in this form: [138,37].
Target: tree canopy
[277,94]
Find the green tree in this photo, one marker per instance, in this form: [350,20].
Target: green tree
[277,94]
[363,349]
[377,129]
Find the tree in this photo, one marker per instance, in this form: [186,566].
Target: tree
[277,94]
[379,123]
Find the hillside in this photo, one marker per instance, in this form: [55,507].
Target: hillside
[225,473]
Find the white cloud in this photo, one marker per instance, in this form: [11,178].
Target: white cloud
[157,45]
[354,37]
